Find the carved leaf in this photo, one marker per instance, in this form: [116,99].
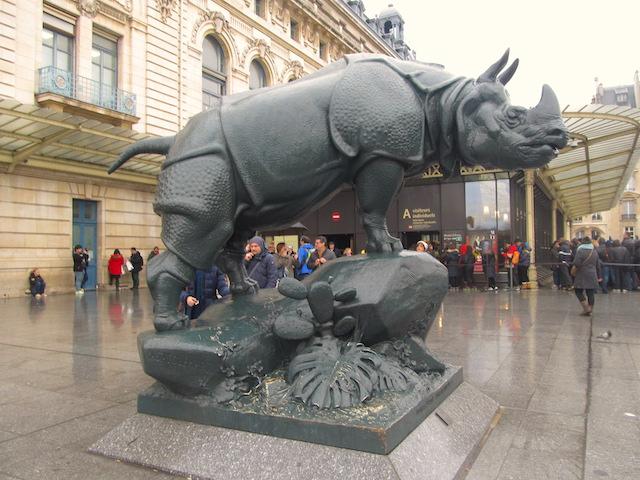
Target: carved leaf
[330,373]
[394,377]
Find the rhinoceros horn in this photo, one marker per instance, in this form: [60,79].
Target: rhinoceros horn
[508,73]
[548,104]
[492,72]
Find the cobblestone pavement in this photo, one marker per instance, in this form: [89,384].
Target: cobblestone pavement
[69,372]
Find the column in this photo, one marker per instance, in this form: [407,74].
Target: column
[554,220]
[84,45]
[529,181]
[567,230]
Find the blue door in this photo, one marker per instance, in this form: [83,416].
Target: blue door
[85,233]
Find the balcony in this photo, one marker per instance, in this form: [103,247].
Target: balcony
[627,217]
[64,91]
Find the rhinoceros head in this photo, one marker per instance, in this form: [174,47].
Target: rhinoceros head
[492,132]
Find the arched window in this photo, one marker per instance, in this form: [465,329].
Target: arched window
[214,72]
[388,26]
[257,75]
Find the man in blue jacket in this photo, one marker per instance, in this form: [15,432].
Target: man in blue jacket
[260,264]
[304,253]
[204,291]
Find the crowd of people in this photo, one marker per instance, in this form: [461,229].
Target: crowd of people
[618,263]
[461,262]
[581,265]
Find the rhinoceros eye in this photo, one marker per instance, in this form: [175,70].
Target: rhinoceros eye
[514,116]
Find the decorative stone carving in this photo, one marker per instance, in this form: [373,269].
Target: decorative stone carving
[126,4]
[220,23]
[259,45]
[293,69]
[165,7]
[88,8]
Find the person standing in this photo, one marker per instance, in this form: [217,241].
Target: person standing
[115,264]
[137,262]
[304,252]
[336,251]
[260,264]
[621,278]
[451,260]
[466,264]
[488,264]
[154,252]
[523,265]
[79,268]
[587,274]
[85,277]
[565,257]
[284,261]
[321,254]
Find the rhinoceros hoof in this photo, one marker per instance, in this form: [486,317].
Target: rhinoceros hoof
[249,287]
[171,321]
[293,327]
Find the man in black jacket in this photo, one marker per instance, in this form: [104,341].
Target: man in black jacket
[137,262]
[321,254]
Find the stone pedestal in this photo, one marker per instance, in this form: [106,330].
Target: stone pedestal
[442,447]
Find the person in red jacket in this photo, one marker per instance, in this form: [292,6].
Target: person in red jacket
[116,261]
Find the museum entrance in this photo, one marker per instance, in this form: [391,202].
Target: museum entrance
[410,239]
[342,241]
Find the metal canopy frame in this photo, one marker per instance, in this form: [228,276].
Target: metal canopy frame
[47,139]
[591,173]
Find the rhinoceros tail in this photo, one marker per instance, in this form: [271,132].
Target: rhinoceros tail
[149,145]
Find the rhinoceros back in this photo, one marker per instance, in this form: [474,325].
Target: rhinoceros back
[375,111]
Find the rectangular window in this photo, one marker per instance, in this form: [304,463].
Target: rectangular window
[596,216]
[57,50]
[293,30]
[104,71]
[322,50]
[630,231]
[622,98]
[259,8]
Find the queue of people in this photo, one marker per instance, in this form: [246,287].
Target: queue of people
[461,262]
[619,263]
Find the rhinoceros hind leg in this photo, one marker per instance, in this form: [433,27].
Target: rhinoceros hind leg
[231,261]
[376,185]
[167,275]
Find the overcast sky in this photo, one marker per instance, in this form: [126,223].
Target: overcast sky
[565,43]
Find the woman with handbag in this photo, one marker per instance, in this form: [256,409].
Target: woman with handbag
[586,270]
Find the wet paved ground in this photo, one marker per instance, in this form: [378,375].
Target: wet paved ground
[69,372]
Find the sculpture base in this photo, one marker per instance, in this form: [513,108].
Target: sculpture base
[377,426]
[443,446]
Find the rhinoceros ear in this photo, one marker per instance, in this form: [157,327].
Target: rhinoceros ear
[492,72]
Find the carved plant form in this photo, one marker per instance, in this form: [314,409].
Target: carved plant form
[332,372]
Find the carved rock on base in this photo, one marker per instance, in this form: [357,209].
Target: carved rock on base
[234,342]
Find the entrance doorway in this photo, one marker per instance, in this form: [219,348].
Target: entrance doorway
[341,241]
[85,233]
[410,239]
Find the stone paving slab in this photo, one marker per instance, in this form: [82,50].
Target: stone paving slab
[436,450]
[514,334]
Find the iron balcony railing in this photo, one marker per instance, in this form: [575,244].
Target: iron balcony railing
[61,82]
[628,216]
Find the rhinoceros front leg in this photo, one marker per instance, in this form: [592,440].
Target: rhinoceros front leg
[231,261]
[376,185]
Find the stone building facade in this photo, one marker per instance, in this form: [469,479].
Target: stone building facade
[78,75]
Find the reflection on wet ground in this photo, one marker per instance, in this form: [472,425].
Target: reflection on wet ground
[69,372]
